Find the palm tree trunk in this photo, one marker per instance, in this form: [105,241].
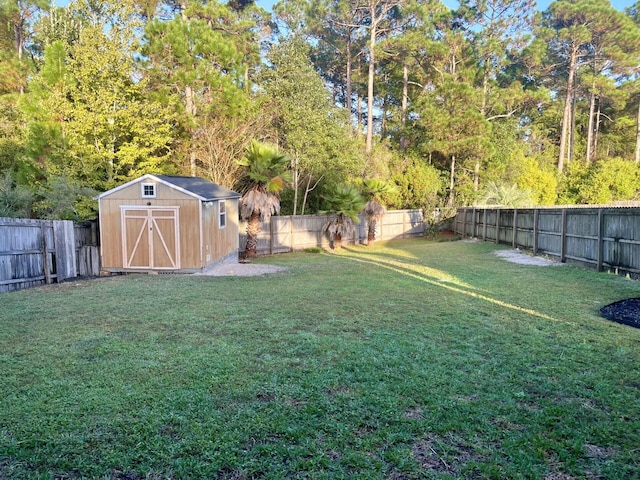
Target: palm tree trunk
[371,232]
[253,229]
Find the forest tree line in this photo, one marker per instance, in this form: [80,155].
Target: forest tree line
[493,102]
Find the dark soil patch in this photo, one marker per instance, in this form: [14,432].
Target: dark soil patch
[623,311]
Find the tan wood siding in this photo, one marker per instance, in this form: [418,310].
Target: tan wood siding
[163,192]
[111,229]
[219,243]
[200,242]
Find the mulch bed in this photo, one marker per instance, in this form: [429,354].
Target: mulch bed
[623,311]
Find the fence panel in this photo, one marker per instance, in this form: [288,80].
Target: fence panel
[35,252]
[599,237]
[294,233]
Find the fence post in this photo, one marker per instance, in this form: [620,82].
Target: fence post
[497,225]
[270,236]
[536,214]
[65,247]
[563,237]
[600,254]
[473,223]
[45,254]
[514,241]
[484,226]
[291,233]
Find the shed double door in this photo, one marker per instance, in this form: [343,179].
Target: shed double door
[150,237]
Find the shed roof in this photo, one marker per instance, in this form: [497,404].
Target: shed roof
[204,189]
[195,186]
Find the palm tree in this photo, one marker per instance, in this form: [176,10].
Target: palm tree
[265,176]
[374,209]
[505,196]
[343,205]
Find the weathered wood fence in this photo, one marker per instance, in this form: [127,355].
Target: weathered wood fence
[293,233]
[37,252]
[601,238]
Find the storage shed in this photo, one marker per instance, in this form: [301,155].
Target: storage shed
[167,223]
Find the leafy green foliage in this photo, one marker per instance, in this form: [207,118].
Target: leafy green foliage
[540,181]
[418,185]
[601,182]
[15,200]
[343,204]
[505,196]
[313,132]
[344,200]
[63,200]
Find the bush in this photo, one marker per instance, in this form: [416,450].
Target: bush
[601,182]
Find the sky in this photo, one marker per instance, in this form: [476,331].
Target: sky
[542,4]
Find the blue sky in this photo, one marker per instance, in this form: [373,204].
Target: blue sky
[542,4]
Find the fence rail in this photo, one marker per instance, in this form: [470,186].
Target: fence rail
[37,252]
[600,238]
[293,233]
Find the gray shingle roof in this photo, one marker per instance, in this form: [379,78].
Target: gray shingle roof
[200,187]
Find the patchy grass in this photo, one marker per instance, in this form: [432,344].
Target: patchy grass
[410,359]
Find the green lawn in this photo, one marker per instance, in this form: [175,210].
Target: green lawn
[411,359]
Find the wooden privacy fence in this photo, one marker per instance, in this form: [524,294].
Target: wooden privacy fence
[35,252]
[601,238]
[292,233]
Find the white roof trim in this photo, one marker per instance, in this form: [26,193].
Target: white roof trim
[150,176]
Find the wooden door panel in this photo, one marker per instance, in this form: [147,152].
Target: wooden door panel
[164,243]
[150,238]
[136,244]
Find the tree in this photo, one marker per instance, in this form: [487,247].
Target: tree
[374,209]
[569,21]
[15,200]
[454,126]
[504,195]
[343,204]
[265,176]
[19,16]
[312,131]
[195,63]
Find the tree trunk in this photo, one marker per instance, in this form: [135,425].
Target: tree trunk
[566,116]
[306,194]
[596,133]
[637,156]
[476,176]
[296,177]
[383,125]
[349,92]
[372,69]
[405,102]
[337,241]
[359,122]
[572,131]
[371,231]
[592,109]
[253,230]
[452,178]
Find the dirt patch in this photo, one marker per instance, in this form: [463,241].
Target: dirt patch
[443,454]
[240,269]
[521,258]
